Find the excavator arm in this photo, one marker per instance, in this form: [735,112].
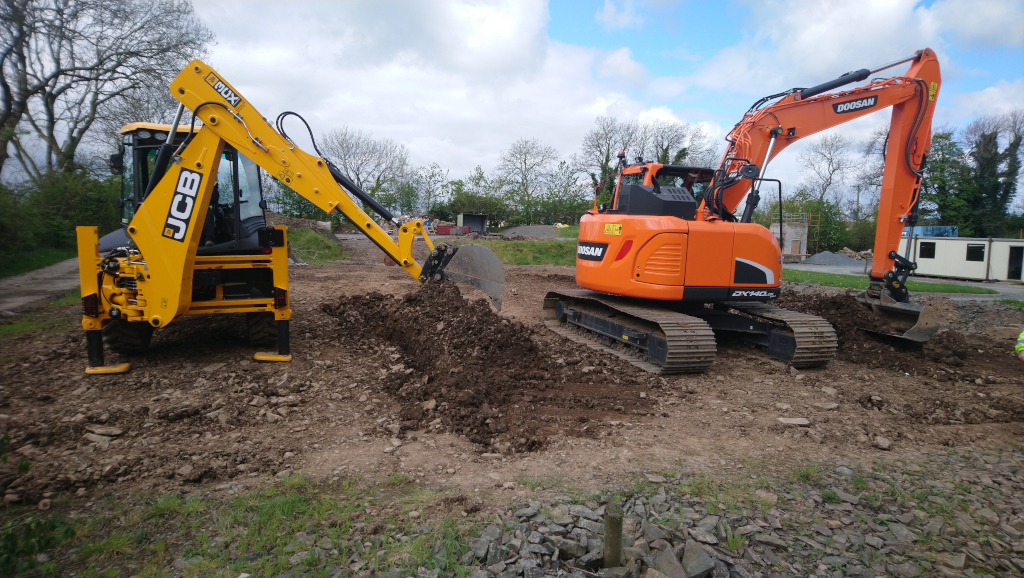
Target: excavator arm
[765,132]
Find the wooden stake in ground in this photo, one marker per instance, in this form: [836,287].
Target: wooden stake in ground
[612,535]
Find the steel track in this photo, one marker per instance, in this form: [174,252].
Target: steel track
[691,342]
[816,342]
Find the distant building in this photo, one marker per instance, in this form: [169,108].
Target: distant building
[966,257]
[933,231]
[476,222]
[794,236]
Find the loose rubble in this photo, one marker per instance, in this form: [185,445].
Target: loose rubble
[948,514]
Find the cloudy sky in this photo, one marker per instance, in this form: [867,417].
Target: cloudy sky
[457,82]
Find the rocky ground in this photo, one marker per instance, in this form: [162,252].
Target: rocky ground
[383,383]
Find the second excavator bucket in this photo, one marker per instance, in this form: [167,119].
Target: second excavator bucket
[475,265]
[916,323]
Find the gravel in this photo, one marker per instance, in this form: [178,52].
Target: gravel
[833,259]
[946,513]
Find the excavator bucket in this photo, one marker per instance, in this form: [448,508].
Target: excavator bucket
[915,323]
[478,266]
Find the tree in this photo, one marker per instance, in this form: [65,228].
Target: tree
[370,162]
[601,144]
[71,60]
[526,165]
[970,181]
[662,141]
[828,161]
[565,198]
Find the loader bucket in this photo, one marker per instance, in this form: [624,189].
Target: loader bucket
[915,323]
[478,266]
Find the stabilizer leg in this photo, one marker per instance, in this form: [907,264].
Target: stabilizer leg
[283,345]
[94,348]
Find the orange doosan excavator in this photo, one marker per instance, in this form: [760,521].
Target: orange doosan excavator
[665,273]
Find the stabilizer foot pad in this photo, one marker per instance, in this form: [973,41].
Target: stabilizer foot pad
[271,357]
[105,369]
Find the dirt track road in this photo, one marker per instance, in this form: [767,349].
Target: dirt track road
[39,286]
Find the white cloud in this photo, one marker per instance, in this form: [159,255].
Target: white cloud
[982,22]
[611,18]
[620,66]
[456,82]
[996,99]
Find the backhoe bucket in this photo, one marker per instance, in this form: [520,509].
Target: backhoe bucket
[914,323]
[478,266]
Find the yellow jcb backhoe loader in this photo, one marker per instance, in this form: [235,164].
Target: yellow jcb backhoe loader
[195,239]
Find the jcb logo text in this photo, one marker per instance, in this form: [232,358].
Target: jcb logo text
[182,205]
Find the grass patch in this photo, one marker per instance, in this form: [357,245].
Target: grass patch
[15,263]
[532,252]
[314,248]
[861,282]
[811,475]
[570,232]
[1012,302]
[40,320]
[260,532]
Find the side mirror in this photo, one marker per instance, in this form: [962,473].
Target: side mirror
[120,203]
[117,163]
[263,204]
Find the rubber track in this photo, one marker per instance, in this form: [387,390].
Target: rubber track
[691,342]
[816,342]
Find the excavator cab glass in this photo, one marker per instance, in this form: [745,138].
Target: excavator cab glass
[235,213]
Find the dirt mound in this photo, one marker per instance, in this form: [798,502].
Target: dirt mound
[946,352]
[465,369]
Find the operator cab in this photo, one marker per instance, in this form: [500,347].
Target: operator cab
[237,208]
[661,190]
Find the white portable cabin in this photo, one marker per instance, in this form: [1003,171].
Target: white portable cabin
[967,258]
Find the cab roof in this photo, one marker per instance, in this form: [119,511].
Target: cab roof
[130,128]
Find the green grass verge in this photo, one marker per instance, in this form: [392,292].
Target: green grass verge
[16,263]
[861,282]
[296,523]
[40,320]
[1012,302]
[314,248]
[531,252]
[570,232]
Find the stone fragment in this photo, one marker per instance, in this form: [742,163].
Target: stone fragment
[767,497]
[104,430]
[527,512]
[652,532]
[794,421]
[957,561]
[583,512]
[827,406]
[905,570]
[874,542]
[988,516]
[902,533]
[668,565]
[771,540]
[702,535]
[696,561]
[882,443]
[654,478]
[829,390]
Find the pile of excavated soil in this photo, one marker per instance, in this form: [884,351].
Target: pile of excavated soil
[946,351]
[465,369]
